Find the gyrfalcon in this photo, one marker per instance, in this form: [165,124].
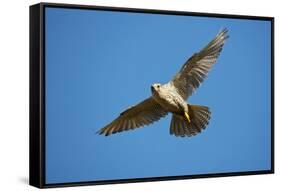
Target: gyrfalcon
[187,120]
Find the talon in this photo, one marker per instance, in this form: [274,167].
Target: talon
[187,116]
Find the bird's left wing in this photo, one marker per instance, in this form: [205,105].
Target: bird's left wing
[146,112]
[196,68]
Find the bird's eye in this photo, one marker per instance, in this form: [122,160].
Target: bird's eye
[158,86]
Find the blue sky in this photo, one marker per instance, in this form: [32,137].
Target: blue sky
[99,63]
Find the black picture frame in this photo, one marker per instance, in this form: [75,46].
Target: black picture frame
[37,95]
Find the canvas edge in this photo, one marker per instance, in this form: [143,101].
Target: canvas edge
[156,11]
[272,21]
[36,136]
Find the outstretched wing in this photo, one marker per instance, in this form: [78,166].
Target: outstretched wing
[196,68]
[146,112]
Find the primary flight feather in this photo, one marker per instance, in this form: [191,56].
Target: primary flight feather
[187,119]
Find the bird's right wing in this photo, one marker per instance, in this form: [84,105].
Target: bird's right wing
[146,112]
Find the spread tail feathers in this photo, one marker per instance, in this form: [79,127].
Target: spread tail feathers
[199,119]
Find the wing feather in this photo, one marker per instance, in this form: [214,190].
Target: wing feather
[145,113]
[196,68]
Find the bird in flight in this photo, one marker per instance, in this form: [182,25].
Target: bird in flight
[187,120]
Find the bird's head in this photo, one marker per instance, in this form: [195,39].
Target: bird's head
[155,87]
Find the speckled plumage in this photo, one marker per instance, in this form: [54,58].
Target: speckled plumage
[168,97]
[187,120]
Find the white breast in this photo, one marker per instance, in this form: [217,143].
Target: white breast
[170,100]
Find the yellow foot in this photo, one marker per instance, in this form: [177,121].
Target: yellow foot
[187,116]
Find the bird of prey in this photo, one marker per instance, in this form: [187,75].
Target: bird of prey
[187,120]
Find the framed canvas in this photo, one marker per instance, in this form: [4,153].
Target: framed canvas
[120,95]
